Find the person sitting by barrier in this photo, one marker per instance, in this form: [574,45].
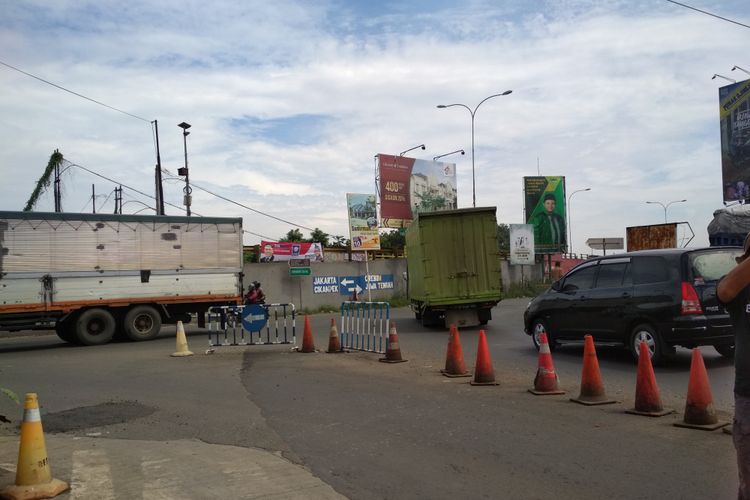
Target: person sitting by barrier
[255,294]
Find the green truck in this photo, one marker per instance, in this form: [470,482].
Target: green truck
[453,266]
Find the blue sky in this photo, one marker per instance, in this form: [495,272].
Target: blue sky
[290,101]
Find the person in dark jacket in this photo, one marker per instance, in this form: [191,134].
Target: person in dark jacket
[734,292]
[255,294]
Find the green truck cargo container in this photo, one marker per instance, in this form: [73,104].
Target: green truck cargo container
[453,266]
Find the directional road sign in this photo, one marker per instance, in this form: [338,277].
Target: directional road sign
[254,317]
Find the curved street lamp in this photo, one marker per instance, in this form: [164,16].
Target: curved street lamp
[665,207]
[570,217]
[741,69]
[435,158]
[724,77]
[473,113]
[402,153]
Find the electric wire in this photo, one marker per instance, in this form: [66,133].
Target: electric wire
[708,13]
[75,93]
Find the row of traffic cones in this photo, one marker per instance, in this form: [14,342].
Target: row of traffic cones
[699,409]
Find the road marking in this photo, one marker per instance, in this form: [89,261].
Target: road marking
[157,485]
[91,476]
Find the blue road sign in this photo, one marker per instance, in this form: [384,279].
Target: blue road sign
[254,317]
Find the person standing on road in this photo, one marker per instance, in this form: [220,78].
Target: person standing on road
[734,292]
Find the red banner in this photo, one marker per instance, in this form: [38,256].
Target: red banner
[395,190]
[274,251]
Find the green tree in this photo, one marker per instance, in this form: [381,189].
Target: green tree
[503,238]
[293,235]
[393,240]
[318,236]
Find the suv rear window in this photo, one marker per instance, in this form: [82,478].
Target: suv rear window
[712,265]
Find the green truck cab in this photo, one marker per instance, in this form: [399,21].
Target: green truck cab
[453,266]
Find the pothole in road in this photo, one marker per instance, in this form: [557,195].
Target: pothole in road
[85,417]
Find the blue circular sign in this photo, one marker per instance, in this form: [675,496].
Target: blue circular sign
[254,317]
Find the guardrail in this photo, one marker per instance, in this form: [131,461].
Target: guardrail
[246,325]
[364,326]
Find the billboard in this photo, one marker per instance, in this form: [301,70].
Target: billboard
[734,114]
[363,221]
[408,186]
[279,251]
[651,237]
[544,203]
[522,244]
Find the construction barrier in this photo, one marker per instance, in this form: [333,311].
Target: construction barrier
[249,325]
[364,326]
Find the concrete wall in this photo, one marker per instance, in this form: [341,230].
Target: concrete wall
[299,290]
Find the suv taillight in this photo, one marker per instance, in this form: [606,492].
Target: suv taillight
[691,304]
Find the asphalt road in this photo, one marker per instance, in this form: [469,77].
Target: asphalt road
[373,430]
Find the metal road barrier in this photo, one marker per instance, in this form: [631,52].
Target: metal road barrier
[364,326]
[251,325]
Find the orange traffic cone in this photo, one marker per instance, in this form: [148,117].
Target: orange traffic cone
[592,390]
[546,381]
[334,344]
[647,400]
[181,341]
[33,476]
[484,374]
[454,359]
[392,351]
[699,408]
[308,345]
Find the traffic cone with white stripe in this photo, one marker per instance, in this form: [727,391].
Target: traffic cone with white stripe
[334,344]
[546,381]
[181,342]
[33,475]
[392,351]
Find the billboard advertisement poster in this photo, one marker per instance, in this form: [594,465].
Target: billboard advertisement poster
[282,251]
[363,221]
[544,202]
[651,237]
[734,113]
[409,186]
[521,244]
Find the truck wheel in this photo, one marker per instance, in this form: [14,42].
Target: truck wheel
[142,323]
[66,331]
[95,327]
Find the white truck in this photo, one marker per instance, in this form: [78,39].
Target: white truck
[92,277]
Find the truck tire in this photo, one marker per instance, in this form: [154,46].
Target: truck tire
[65,329]
[142,323]
[95,327]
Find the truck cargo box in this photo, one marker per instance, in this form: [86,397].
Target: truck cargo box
[453,261]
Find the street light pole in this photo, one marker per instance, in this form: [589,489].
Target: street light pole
[184,171]
[473,114]
[570,218]
[665,207]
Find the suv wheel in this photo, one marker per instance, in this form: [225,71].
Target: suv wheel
[538,327]
[647,333]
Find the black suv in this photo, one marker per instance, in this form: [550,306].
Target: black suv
[663,297]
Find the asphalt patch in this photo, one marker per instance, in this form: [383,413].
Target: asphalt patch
[84,417]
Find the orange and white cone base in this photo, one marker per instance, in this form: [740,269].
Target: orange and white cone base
[699,407]
[546,382]
[33,475]
[181,342]
[647,399]
[393,350]
[592,390]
